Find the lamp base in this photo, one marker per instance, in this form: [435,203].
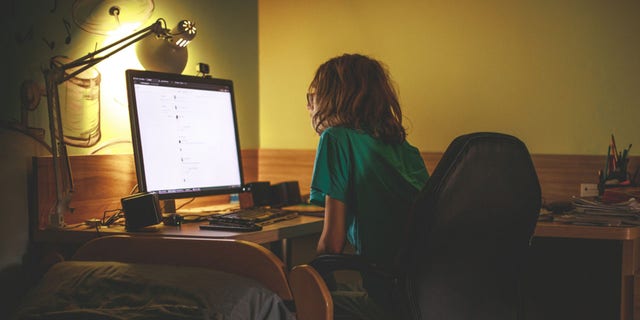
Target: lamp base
[56,219]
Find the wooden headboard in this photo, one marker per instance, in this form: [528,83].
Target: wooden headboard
[102,180]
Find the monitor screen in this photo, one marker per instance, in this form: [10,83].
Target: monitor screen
[184,134]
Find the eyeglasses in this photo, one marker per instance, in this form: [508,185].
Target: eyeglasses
[310,98]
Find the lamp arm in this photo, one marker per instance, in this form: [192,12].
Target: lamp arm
[57,75]
[90,59]
[61,167]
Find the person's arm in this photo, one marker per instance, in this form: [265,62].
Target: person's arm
[334,232]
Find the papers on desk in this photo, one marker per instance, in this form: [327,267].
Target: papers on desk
[209,209]
[628,208]
[306,209]
[595,220]
[596,213]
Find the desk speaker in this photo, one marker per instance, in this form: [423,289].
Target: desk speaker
[141,210]
[260,192]
[285,194]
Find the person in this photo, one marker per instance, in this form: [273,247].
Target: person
[366,174]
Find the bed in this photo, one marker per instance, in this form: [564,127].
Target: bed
[125,277]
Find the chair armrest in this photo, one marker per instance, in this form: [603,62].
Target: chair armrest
[311,295]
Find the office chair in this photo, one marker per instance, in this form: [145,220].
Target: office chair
[468,234]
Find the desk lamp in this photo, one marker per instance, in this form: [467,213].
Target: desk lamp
[154,54]
[174,41]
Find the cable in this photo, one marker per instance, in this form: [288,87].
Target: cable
[75,226]
[194,218]
[186,203]
[117,214]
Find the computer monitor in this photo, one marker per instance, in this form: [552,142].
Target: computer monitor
[184,134]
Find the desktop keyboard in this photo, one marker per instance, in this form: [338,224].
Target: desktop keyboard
[249,215]
[248,219]
[225,226]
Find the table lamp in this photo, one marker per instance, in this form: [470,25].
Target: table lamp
[165,51]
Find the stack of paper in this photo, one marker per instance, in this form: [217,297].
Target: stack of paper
[596,213]
[628,208]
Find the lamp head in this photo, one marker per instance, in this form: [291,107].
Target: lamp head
[182,34]
[167,51]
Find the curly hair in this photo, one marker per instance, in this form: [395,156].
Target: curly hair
[355,91]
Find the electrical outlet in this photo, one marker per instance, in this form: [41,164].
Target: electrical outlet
[588,190]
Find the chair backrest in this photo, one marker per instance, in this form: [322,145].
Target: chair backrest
[470,231]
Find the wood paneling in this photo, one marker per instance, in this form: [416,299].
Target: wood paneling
[102,180]
[286,165]
[560,175]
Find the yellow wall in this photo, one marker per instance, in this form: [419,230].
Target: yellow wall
[561,75]
[226,40]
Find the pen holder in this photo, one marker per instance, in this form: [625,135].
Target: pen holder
[615,172]
[619,178]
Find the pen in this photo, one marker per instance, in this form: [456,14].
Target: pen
[600,176]
[606,164]
[614,150]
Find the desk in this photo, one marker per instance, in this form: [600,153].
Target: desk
[102,180]
[582,272]
[279,232]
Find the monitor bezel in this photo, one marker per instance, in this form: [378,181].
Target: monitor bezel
[130,74]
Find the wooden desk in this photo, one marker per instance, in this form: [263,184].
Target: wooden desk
[583,272]
[101,181]
[278,233]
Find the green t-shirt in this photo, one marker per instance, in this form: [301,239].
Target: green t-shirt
[377,181]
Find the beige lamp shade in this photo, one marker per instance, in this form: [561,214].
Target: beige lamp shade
[104,16]
[167,54]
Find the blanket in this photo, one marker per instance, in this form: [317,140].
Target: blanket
[114,290]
